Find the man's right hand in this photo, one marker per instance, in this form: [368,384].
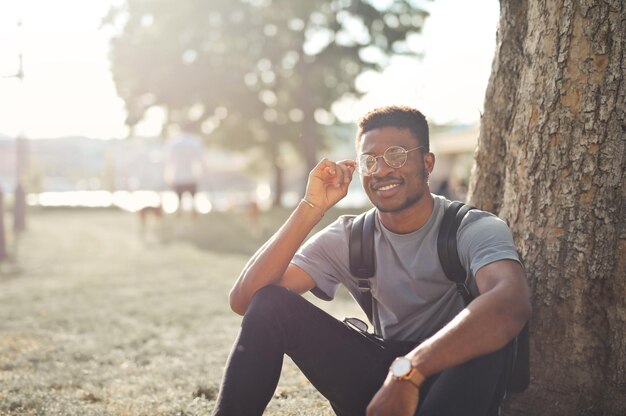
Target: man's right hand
[328,182]
[394,398]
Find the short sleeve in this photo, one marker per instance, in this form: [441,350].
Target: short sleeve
[483,239]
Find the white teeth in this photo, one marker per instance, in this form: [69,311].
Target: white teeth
[387,187]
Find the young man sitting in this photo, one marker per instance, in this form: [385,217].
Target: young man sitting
[446,358]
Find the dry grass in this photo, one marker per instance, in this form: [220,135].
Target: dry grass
[97,319]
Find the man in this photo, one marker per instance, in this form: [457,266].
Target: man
[184,165]
[455,358]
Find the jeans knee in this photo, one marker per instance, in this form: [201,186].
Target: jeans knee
[273,300]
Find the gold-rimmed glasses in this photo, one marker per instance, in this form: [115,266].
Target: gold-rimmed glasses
[395,157]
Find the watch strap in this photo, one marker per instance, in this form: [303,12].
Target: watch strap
[415,377]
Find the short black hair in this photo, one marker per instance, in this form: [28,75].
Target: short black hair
[401,117]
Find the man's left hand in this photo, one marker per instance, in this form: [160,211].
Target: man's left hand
[395,398]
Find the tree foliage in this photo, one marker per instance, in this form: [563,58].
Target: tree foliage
[254,73]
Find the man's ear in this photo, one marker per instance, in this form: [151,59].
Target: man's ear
[429,162]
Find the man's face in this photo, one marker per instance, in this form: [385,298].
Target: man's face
[390,189]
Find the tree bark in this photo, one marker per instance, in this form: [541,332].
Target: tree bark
[551,162]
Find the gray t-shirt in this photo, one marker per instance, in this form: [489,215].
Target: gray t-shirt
[412,297]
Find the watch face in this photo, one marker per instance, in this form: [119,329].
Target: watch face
[401,366]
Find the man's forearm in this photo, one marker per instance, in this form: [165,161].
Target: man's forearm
[269,263]
[486,325]
[328,183]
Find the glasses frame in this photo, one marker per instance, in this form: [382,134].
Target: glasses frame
[357,324]
[362,328]
[369,172]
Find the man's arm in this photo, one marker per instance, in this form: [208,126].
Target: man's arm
[328,183]
[485,325]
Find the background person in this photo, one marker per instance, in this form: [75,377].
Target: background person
[456,358]
[184,166]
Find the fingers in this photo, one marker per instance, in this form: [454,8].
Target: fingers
[346,169]
[328,182]
[338,173]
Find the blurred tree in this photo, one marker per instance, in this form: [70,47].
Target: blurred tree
[108,173]
[3,244]
[551,161]
[254,73]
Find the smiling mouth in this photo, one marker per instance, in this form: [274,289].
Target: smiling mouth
[388,187]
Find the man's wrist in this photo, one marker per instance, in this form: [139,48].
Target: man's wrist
[316,210]
[313,205]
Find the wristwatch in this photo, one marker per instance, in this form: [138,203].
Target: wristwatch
[402,369]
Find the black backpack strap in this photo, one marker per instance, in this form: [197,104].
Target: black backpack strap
[362,258]
[447,249]
[519,376]
[519,372]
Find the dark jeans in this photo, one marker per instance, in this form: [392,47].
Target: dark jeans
[344,366]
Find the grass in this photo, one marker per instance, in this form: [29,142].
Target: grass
[100,318]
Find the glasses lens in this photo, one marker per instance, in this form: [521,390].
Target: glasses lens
[357,323]
[395,156]
[367,164]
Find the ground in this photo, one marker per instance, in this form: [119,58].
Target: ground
[100,317]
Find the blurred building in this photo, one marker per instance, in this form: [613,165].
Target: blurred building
[79,163]
[83,164]
[453,147]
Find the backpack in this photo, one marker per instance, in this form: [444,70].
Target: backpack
[362,267]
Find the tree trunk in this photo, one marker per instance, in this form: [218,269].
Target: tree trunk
[309,126]
[21,167]
[3,243]
[550,161]
[276,165]
[277,200]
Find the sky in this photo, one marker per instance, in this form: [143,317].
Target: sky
[68,88]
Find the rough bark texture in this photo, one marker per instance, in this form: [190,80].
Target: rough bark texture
[550,161]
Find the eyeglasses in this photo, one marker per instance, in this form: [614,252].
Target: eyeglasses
[395,157]
[356,323]
[361,328]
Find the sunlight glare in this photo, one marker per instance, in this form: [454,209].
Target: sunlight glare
[67,87]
